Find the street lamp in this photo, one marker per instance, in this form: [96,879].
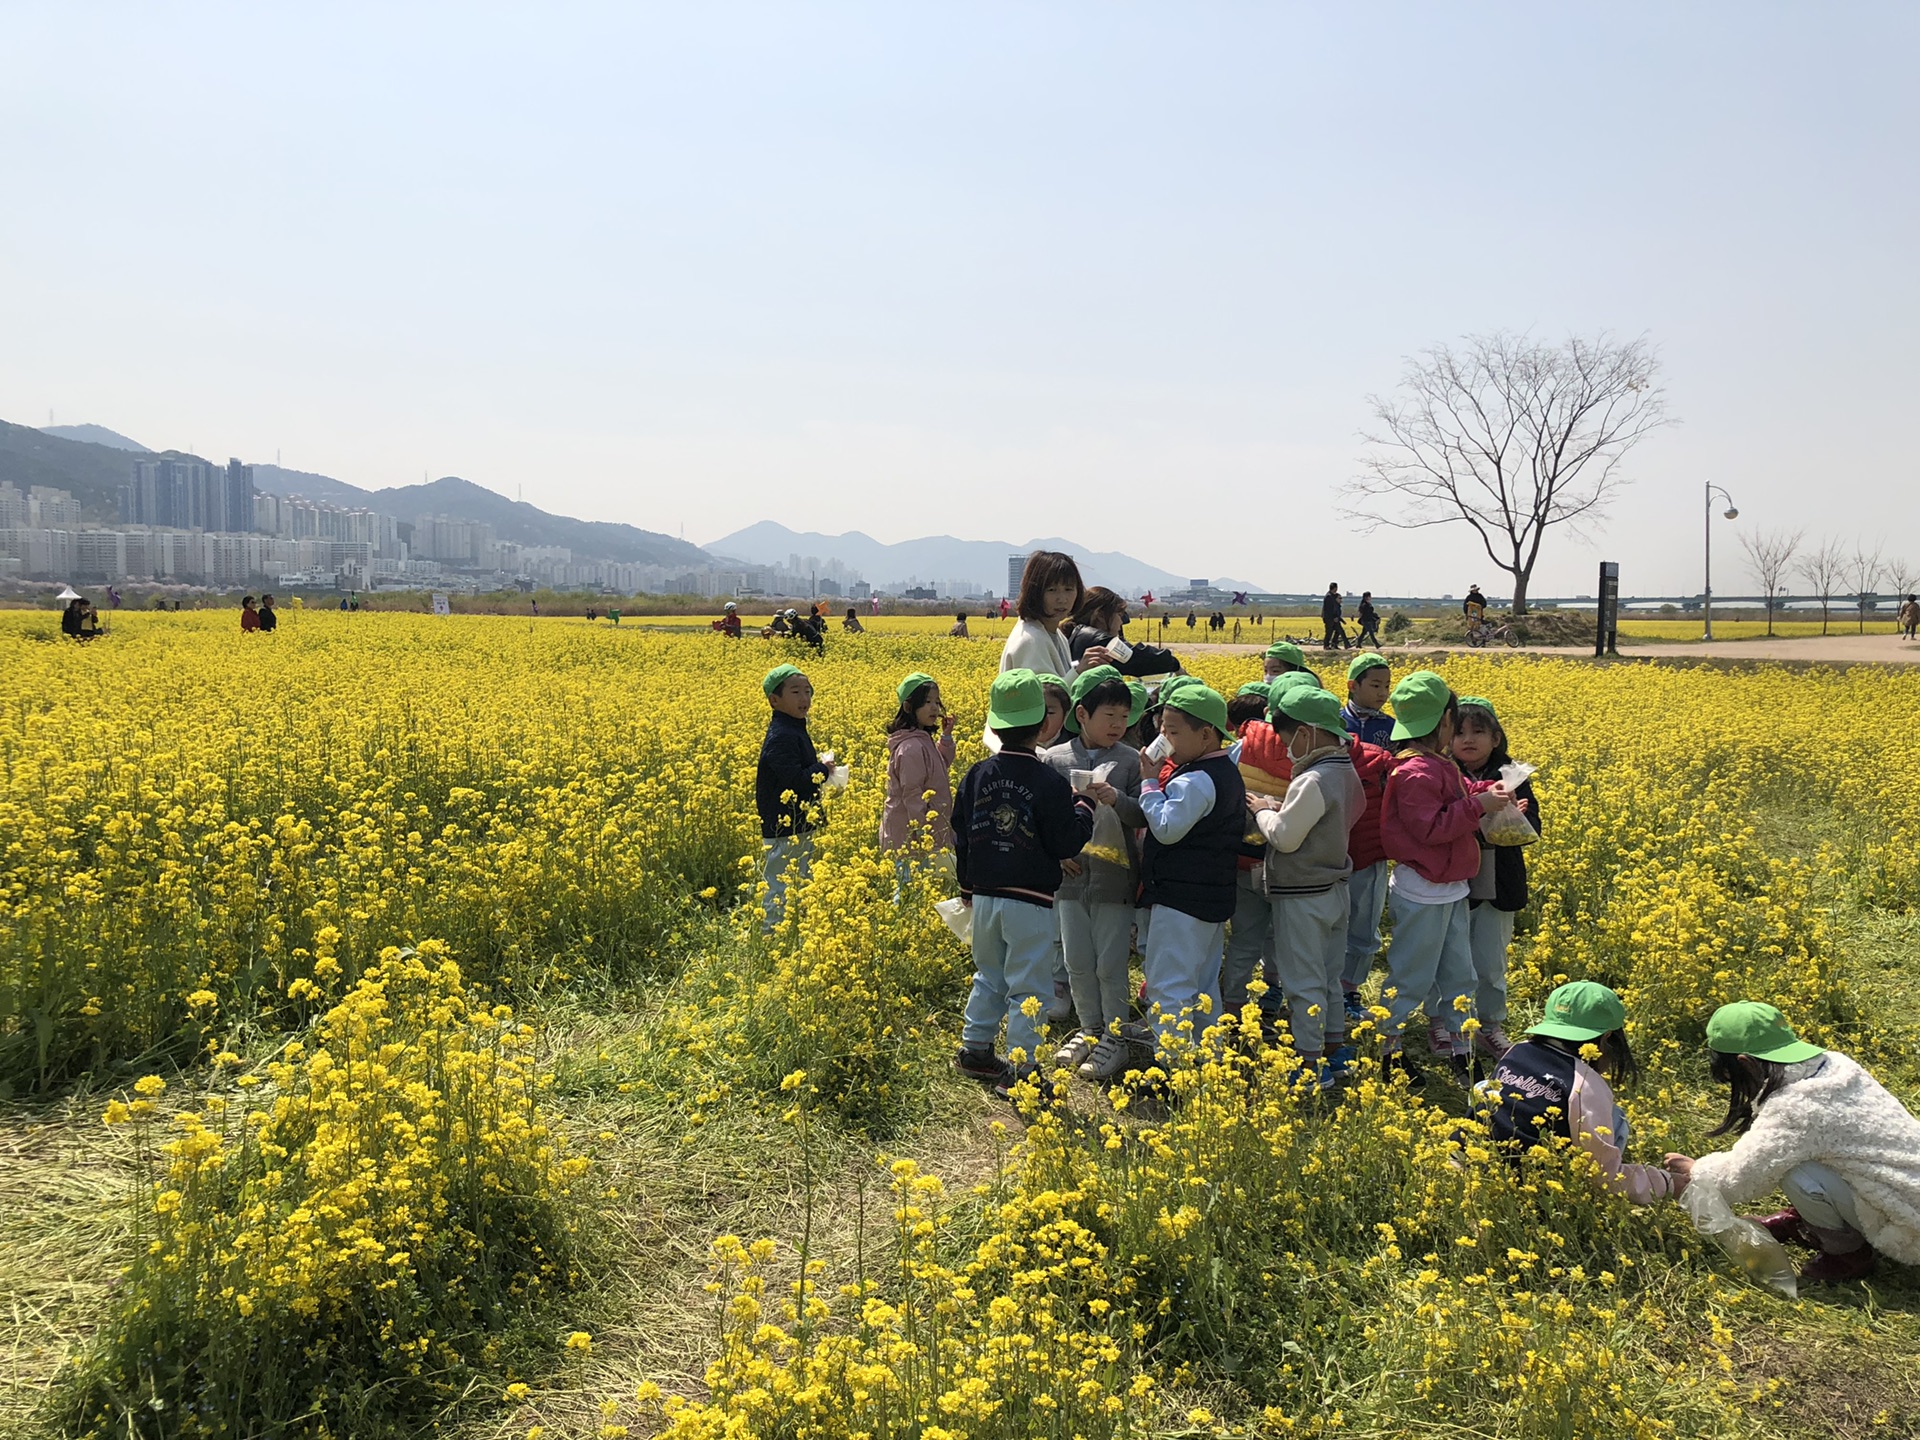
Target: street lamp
[1733,513]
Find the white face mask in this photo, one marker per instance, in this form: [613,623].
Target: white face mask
[1292,758]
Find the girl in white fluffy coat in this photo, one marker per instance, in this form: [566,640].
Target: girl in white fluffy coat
[1813,1124]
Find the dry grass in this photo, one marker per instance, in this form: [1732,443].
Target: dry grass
[62,1178]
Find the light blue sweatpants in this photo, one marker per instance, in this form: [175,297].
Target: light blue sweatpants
[789,861]
[1013,948]
[1825,1201]
[1366,902]
[1097,940]
[1182,964]
[1250,947]
[1310,949]
[1429,961]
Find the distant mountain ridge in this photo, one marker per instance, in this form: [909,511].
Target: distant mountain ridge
[96,435]
[941,557]
[94,469]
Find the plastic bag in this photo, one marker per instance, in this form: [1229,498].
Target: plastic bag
[1109,842]
[1751,1247]
[958,916]
[1510,826]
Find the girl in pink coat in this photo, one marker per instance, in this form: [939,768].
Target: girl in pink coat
[1429,827]
[918,816]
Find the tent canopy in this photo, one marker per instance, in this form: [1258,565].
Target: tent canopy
[67,593]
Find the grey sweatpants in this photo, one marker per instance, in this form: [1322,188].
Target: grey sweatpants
[1310,950]
[1097,940]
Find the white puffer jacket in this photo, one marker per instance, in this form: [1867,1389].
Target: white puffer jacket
[1834,1113]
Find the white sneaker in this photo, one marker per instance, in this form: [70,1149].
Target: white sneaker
[1070,1055]
[1108,1059]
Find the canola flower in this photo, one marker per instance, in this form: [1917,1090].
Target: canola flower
[351,1238]
[561,805]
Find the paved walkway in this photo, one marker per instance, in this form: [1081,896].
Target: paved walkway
[1840,649]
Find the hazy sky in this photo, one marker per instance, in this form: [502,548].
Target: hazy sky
[1116,271]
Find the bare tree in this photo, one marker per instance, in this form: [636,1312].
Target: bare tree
[1863,569]
[1901,578]
[1824,569]
[1769,553]
[1508,436]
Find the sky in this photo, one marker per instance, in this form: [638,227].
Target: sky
[1121,272]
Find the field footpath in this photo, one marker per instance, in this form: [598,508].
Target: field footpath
[1832,649]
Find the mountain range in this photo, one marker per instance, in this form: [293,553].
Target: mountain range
[941,557]
[94,462]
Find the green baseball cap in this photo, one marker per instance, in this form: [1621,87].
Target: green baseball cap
[1480,702]
[777,677]
[1140,701]
[1360,664]
[1084,685]
[1195,697]
[1016,699]
[1255,687]
[1313,706]
[1284,650]
[1752,1028]
[1581,1010]
[1283,683]
[912,683]
[1419,703]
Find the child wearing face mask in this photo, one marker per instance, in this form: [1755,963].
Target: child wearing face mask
[1498,891]
[1306,869]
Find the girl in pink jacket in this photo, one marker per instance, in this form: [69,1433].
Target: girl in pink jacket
[1429,827]
[918,816]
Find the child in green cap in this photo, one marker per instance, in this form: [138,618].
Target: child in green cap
[1498,892]
[1817,1126]
[786,785]
[1369,682]
[919,771]
[1095,900]
[1543,1087]
[1014,820]
[1305,873]
[1430,827]
[1195,821]
[1281,657]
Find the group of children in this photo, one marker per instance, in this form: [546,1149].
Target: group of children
[1270,833]
[1263,836]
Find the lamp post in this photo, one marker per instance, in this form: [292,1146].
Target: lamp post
[1733,513]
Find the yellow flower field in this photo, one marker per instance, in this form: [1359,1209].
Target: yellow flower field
[347,876]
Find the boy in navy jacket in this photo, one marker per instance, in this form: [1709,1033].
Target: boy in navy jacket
[1014,820]
[786,784]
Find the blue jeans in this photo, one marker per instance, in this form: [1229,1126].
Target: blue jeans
[1366,902]
[1431,956]
[1014,943]
[1183,964]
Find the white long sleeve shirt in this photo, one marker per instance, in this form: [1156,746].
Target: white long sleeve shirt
[1174,809]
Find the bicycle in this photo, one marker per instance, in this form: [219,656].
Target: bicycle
[1482,635]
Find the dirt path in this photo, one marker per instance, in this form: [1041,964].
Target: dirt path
[1837,649]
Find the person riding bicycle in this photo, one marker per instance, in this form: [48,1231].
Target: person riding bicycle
[1330,617]
[1474,607]
[1369,619]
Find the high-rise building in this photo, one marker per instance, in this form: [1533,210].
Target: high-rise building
[1016,567]
[189,494]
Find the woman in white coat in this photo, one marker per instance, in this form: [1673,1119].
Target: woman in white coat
[1815,1125]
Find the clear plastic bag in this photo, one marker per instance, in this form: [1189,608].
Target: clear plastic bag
[1751,1247]
[1510,826]
[958,916]
[1109,842]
